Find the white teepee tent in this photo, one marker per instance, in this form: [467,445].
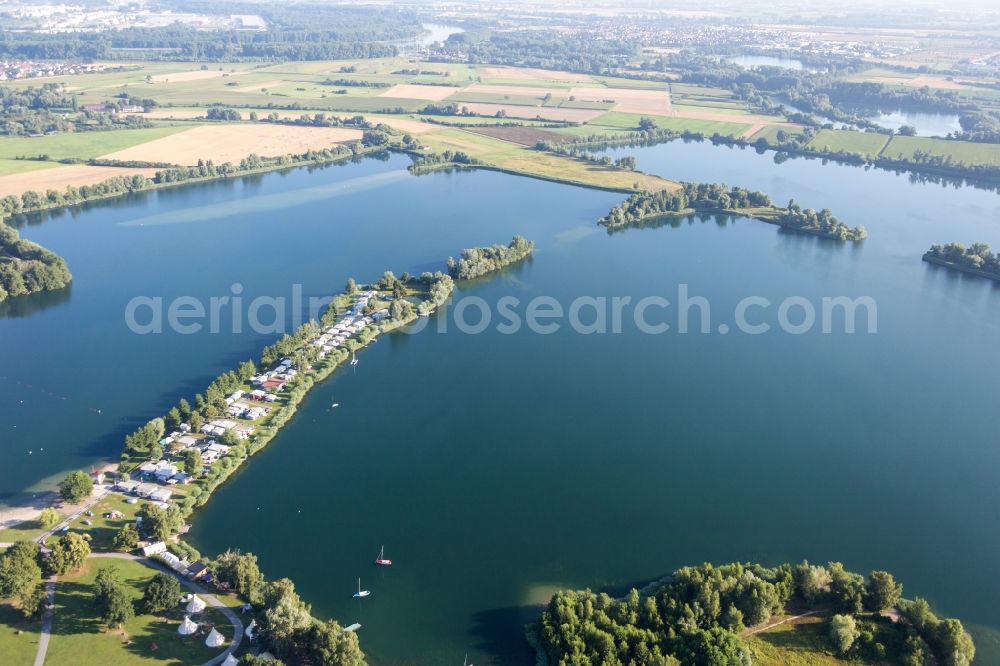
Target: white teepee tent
[215,639]
[196,605]
[248,632]
[187,627]
[230,661]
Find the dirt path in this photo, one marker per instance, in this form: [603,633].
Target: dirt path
[772,625]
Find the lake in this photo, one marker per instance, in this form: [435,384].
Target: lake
[497,466]
[755,62]
[926,124]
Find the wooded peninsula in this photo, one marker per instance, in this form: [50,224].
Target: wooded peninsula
[700,615]
[976,260]
[715,198]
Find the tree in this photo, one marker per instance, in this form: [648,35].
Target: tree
[954,646]
[111,599]
[69,553]
[173,419]
[160,523]
[192,460]
[882,591]
[127,538]
[76,486]
[20,574]
[327,644]
[286,617]
[240,570]
[843,632]
[162,593]
[847,588]
[48,518]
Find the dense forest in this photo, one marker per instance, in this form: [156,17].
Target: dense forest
[713,197]
[536,48]
[26,267]
[297,32]
[479,261]
[695,617]
[979,258]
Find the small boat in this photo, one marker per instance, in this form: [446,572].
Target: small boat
[361,593]
[335,405]
[353,627]
[381,561]
[354,361]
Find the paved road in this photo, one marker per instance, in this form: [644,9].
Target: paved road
[210,599]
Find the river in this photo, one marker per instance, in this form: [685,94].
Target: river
[497,466]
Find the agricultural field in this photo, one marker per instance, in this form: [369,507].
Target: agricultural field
[231,143]
[79,639]
[849,140]
[959,151]
[81,145]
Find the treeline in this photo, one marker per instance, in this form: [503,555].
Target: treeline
[821,223]
[978,259]
[549,49]
[119,185]
[306,31]
[695,617]
[478,261]
[355,83]
[26,267]
[432,161]
[285,626]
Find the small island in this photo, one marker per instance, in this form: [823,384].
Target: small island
[28,268]
[976,260]
[737,614]
[716,198]
[479,261]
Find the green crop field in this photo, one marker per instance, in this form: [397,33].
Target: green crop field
[959,151]
[849,140]
[630,121]
[84,145]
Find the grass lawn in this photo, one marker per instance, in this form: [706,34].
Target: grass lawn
[26,531]
[849,140]
[495,98]
[18,637]
[771,132]
[804,643]
[84,145]
[630,121]
[79,639]
[8,167]
[960,151]
[102,530]
[516,158]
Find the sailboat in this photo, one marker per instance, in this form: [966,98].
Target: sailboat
[381,561]
[361,593]
[354,361]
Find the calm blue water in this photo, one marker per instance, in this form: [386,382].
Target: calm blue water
[497,466]
[926,124]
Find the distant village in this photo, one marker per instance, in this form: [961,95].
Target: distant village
[29,69]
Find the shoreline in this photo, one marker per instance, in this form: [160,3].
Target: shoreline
[959,268]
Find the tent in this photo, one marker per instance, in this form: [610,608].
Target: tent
[187,627]
[248,632]
[230,661]
[196,605]
[215,639]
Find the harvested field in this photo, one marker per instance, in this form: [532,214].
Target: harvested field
[405,124]
[260,86]
[59,178]
[193,75]
[526,136]
[530,74]
[518,91]
[231,143]
[628,100]
[413,91]
[548,113]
